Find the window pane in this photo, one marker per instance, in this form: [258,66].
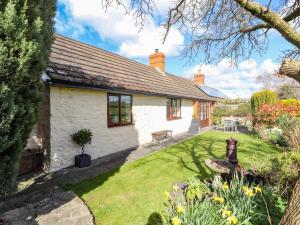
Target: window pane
[169,108]
[178,108]
[201,111]
[113,104]
[125,109]
[174,108]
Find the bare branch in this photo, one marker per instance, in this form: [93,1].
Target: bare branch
[288,18]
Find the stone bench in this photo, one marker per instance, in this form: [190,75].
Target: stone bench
[160,135]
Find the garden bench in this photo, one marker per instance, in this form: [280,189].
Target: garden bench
[160,135]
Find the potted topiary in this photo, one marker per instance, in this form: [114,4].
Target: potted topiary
[82,137]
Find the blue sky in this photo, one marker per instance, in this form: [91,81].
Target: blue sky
[86,21]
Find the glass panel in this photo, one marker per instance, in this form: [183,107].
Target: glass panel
[178,108]
[201,111]
[125,109]
[169,104]
[113,104]
[174,108]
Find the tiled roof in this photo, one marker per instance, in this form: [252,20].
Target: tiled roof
[76,63]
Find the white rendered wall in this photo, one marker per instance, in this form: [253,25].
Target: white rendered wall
[73,109]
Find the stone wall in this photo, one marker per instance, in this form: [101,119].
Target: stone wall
[73,109]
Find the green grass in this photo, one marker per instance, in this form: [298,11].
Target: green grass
[130,194]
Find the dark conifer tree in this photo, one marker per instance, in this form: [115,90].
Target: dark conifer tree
[26,34]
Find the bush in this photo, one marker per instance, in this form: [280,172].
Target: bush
[223,203]
[82,137]
[290,126]
[274,135]
[283,171]
[268,114]
[262,97]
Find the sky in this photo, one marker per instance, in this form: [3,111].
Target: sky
[112,30]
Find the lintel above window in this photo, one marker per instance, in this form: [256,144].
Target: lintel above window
[173,108]
[119,110]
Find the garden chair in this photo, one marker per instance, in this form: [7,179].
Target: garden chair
[230,125]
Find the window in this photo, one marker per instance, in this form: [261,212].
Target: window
[173,108]
[119,111]
[204,111]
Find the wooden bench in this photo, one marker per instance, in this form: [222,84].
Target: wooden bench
[160,135]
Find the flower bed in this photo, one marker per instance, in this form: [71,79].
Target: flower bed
[223,203]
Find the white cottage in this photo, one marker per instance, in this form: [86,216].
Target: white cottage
[120,100]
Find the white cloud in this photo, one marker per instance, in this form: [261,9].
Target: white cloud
[150,39]
[241,81]
[67,24]
[120,28]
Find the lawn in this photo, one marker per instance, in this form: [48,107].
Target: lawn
[130,194]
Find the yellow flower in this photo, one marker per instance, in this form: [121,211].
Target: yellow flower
[167,194]
[249,193]
[226,213]
[257,189]
[232,220]
[245,188]
[175,187]
[225,186]
[180,209]
[218,199]
[176,221]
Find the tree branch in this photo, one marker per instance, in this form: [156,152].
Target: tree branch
[293,15]
[272,18]
[170,17]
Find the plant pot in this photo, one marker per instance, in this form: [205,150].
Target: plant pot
[83,160]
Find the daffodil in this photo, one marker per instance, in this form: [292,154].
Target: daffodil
[167,194]
[257,189]
[218,199]
[245,188]
[225,186]
[249,193]
[176,221]
[232,220]
[226,213]
[180,209]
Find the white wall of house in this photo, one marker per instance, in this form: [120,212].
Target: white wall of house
[73,109]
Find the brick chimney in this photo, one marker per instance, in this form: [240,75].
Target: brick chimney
[157,60]
[199,78]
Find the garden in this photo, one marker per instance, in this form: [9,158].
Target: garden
[135,193]
[175,187]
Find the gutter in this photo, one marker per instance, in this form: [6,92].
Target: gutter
[71,84]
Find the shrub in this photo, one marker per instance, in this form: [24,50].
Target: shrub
[82,137]
[290,126]
[274,135]
[267,114]
[283,171]
[223,203]
[262,97]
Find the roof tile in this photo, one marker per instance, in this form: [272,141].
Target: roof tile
[76,63]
